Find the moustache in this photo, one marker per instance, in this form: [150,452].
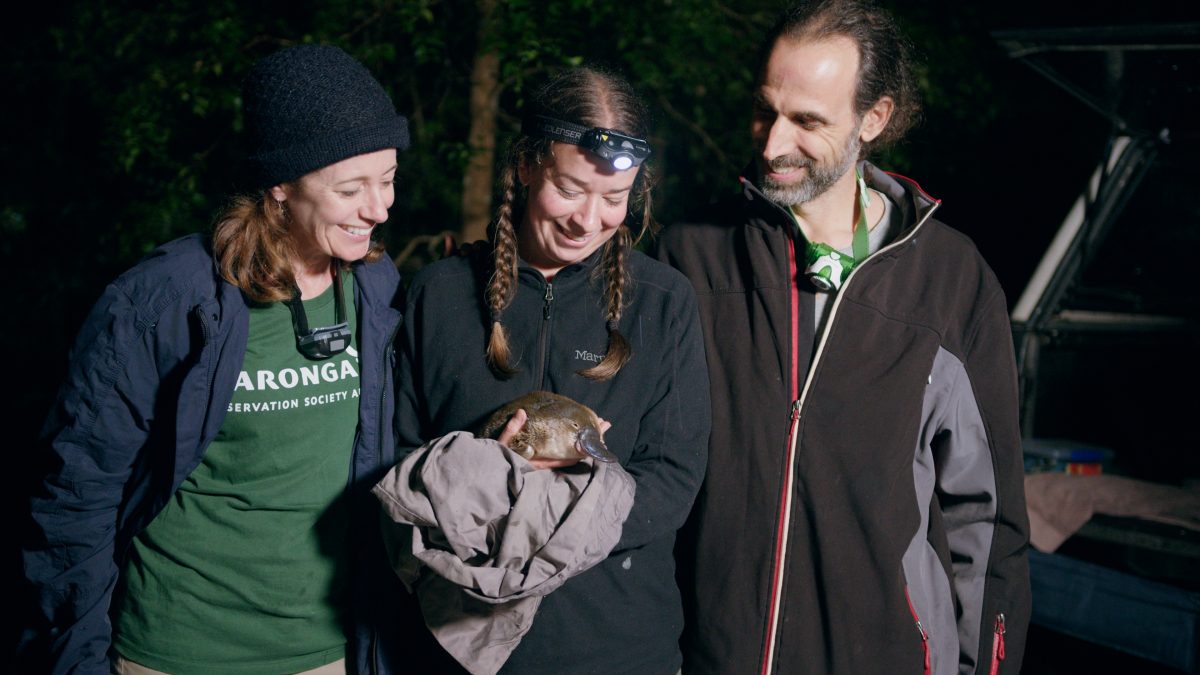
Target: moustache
[789,162]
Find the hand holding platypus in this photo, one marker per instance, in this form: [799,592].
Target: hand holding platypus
[557,430]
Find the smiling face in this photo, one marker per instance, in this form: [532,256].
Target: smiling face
[576,203]
[804,126]
[333,210]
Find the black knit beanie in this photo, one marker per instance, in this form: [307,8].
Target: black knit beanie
[310,106]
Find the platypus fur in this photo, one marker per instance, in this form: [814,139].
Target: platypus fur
[558,428]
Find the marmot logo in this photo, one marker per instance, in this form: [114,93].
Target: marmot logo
[584,355]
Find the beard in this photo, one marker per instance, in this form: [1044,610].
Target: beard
[821,175]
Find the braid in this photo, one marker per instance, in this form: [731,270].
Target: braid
[503,282]
[617,277]
[641,200]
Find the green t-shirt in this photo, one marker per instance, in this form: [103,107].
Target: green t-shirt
[243,571]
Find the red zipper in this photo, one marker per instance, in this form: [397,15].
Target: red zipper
[924,636]
[784,497]
[906,179]
[997,644]
[794,272]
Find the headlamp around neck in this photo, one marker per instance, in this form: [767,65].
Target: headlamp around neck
[618,150]
[326,341]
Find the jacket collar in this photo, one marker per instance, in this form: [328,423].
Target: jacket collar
[769,213]
[915,204]
[581,269]
[229,307]
[370,284]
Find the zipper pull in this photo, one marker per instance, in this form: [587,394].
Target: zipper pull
[925,648]
[549,298]
[997,644]
[795,409]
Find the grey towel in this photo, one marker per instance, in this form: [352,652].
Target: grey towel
[1059,504]
[497,535]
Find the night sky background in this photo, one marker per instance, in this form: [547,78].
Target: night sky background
[85,190]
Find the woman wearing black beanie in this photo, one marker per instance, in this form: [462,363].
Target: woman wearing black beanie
[226,406]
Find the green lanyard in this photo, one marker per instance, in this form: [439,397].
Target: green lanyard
[827,267]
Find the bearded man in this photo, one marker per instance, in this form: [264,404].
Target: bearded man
[864,508]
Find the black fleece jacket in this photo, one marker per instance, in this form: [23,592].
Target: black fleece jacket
[624,615]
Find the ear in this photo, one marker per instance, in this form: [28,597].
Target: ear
[279,193]
[524,173]
[875,120]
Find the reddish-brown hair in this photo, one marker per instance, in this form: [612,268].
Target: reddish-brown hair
[253,247]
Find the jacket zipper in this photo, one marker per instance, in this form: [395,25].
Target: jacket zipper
[924,635]
[798,397]
[997,644]
[388,349]
[785,498]
[547,300]
[781,533]
[544,333]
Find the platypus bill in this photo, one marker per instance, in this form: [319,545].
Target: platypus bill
[558,428]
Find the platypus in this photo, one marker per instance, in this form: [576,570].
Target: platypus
[558,428]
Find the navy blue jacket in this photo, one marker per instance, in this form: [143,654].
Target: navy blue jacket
[150,378]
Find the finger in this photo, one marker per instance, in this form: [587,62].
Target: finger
[553,463]
[605,425]
[513,427]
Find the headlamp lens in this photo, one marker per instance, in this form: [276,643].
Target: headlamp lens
[323,343]
[623,152]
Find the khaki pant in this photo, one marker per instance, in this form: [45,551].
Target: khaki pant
[123,666]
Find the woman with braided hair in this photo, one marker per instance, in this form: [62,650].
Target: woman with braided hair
[561,301]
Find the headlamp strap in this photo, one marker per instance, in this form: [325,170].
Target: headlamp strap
[296,305]
[862,229]
[622,151]
[555,130]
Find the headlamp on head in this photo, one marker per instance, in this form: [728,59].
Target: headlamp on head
[618,150]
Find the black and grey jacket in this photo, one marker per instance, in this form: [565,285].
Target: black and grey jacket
[624,614]
[864,509]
